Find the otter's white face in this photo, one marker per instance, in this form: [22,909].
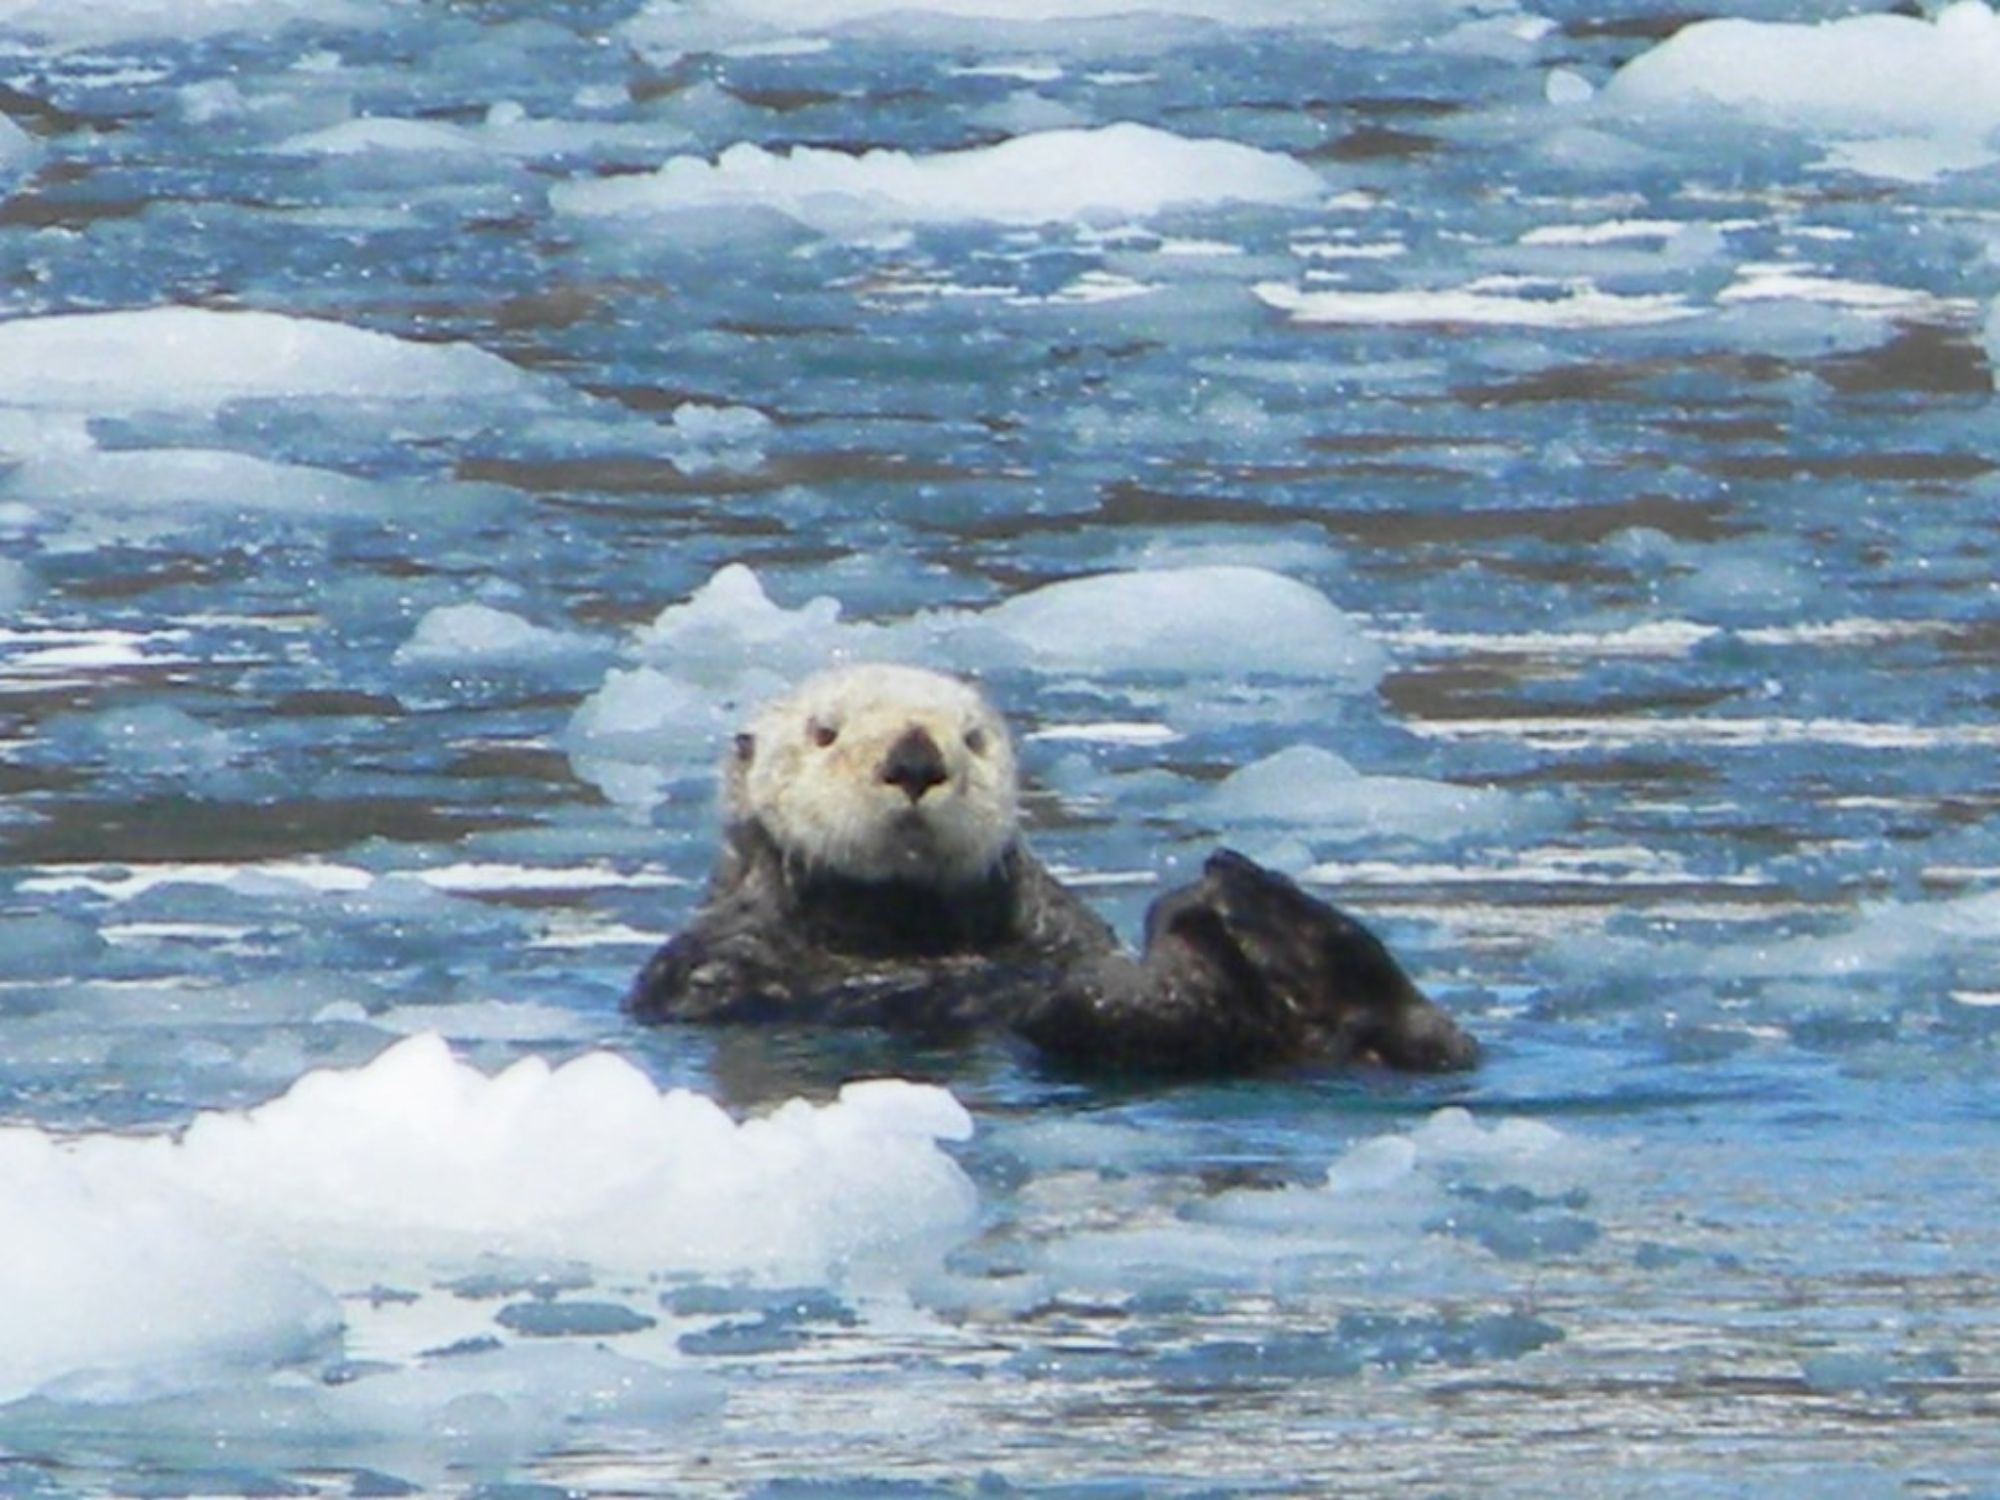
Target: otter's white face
[879,771]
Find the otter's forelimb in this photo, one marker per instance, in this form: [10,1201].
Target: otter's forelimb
[1243,970]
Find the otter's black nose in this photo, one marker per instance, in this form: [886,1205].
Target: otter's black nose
[914,763]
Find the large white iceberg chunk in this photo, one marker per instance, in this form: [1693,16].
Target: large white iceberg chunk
[1895,94]
[117,1287]
[419,1155]
[1117,171]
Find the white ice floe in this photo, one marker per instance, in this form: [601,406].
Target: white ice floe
[138,1265]
[119,1287]
[61,375]
[420,1155]
[1516,302]
[730,625]
[189,359]
[1392,1206]
[1886,937]
[1651,638]
[1312,789]
[470,636]
[706,661]
[1221,619]
[204,480]
[67,23]
[18,150]
[507,133]
[1895,95]
[17,586]
[1789,282]
[1118,171]
[665,28]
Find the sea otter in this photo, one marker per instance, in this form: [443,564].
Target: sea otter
[873,873]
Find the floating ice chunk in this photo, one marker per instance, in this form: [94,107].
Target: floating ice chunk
[704,663]
[43,945]
[1515,1149]
[1492,302]
[1395,1205]
[478,635]
[1989,338]
[64,23]
[1566,88]
[1924,94]
[667,27]
[1784,282]
[1219,618]
[644,729]
[474,1407]
[1308,786]
[118,1288]
[1900,937]
[371,133]
[184,359]
[1122,171]
[18,150]
[419,1155]
[721,437]
[730,646]
[496,1404]
[507,134]
[481,1021]
[188,479]
[17,586]
[158,739]
[730,625]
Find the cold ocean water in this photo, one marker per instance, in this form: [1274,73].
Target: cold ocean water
[1529,471]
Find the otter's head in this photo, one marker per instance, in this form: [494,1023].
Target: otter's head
[878,772]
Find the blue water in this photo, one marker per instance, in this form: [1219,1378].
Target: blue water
[1706,605]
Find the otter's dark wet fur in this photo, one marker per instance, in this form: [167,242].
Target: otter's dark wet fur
[1241,971]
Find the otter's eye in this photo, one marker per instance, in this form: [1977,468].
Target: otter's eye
[975,740]
[822,734]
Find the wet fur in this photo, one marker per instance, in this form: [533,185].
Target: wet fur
[872,873]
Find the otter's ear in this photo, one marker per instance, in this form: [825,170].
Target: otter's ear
[746,747]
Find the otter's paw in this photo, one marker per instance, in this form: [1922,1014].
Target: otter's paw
[1330,969]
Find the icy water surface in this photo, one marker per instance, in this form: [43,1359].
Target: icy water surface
[1527,470]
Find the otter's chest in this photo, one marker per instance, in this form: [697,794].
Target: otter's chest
[895,921]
